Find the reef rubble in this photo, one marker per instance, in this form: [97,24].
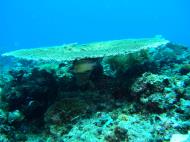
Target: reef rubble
[139,91]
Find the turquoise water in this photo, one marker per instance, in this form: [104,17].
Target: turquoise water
[37,23]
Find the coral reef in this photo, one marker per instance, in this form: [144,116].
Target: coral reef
[103,92]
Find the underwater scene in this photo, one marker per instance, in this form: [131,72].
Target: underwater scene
[94,71]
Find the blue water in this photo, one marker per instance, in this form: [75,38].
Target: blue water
[34,23]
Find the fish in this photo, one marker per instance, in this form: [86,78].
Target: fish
[83,66]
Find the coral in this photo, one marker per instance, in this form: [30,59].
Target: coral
[1,90]
[3,116]
[64,111]
[49,67]
[92,50]
[185,107]
[180,137]
[119,64]
[58,130]
[31,94]
[15,116]
[187,93]
[139,95]
[185,69]
[149,83]
[137,130]
[120,135]
[152,91]
[62,70]
[92,130]
[178,49]
[4,138]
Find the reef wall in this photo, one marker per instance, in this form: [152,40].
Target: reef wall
[123,90]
